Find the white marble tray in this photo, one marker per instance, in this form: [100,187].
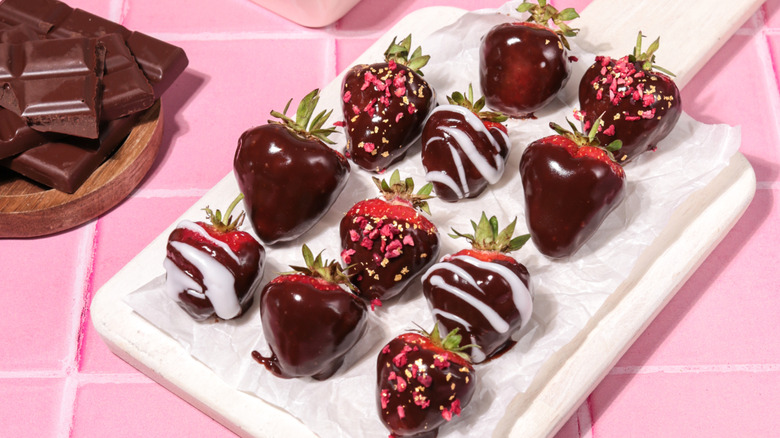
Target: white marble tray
[570,375]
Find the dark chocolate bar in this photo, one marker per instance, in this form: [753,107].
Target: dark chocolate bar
[16,136]
[54,85]
[125,87]
[161,62]
[65,163]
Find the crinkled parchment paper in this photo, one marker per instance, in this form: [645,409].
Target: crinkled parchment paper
[567,293]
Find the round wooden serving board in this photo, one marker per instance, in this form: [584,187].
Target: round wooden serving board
[29,210]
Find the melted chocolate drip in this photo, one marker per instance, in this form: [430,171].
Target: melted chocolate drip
[521,68]
[288,182]
[309,329]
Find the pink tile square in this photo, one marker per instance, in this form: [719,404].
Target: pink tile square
[119,239]
[138,410]
[727,311]
[204,16]
[238,83]
[38,297]
[101,8]
[710,98]
[30,407]
[347,50]
[771,10]
[691,405]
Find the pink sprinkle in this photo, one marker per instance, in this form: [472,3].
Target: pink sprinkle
[346,255]
[412,108]
[368,80]
[387,230]
[376,302]
[408,240]
[400,384]
[425,379]
[354,236]
[578,115]
[455,407]
[648,100]
[391,376]
[391,64]
[375,232]
[413,369]
[631,118]
[599,94]
[421,401]
[339,123]
[401,413]
[386,349]
[393,249]
[399,92]
[441,361]
[399,80]
[398,117]
[385,398]
[573,59]
[446,414]
[355,109]
[587,125]
[367,243]
[384,100]
[370,104]
[369,147]
[648,114]
[377,258]
[347,96]
[610,130]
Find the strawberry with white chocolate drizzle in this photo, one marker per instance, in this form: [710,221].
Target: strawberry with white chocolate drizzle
[423,382]
[384,106]
[637,101]
[212,268]
[482,291]
[386,241]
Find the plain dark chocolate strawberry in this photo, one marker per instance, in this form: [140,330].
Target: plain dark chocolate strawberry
[289,176]
[211,267]
[386,241]
[570,185]
[639,104]
[310,320]
[423,382]
[482,291]
[464,149]
[385,105]
[523,65]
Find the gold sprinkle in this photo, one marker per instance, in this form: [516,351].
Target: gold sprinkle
[449,376]
[546,42]
[464,370]
[385,154]
[376,277]
[405,270]
[452,387]
[408,373]
[384,262]
[385,141]
[398,277]
[616,117]
[353,119]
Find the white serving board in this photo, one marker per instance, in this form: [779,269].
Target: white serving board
[570,375]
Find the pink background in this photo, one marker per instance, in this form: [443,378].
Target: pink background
[709,365]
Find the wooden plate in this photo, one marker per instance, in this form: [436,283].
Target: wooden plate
[29,210]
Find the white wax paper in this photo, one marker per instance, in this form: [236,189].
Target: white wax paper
[567,293]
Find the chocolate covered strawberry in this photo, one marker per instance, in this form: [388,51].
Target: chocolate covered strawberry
[290,177]
[310,320]
[464,149]
[385,105]
[483,292]
[387,241]
[570,185]
[423,382]
[638,101]
[212,268]
[523,65]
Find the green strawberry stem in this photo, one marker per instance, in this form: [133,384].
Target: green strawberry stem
[328,270]
[647,58]
[303,125]
[450,342]
[581,139]
[225,223]
[404,190]
[399,53]
[543,12]
[487,236]
[467,101]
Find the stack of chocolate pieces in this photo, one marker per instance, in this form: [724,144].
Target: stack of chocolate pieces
[73,86]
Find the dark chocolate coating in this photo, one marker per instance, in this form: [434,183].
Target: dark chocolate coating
[638,133]
[288,182]
[491,289]
[125,88]
[380,124]
[521,68]
[16,136]
[376,275]
[566,199]
[309,328]
[425,382]
[437,152]
[247,271]
[65,162]
[51,91]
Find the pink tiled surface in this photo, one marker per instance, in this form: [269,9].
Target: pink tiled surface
[709,365]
